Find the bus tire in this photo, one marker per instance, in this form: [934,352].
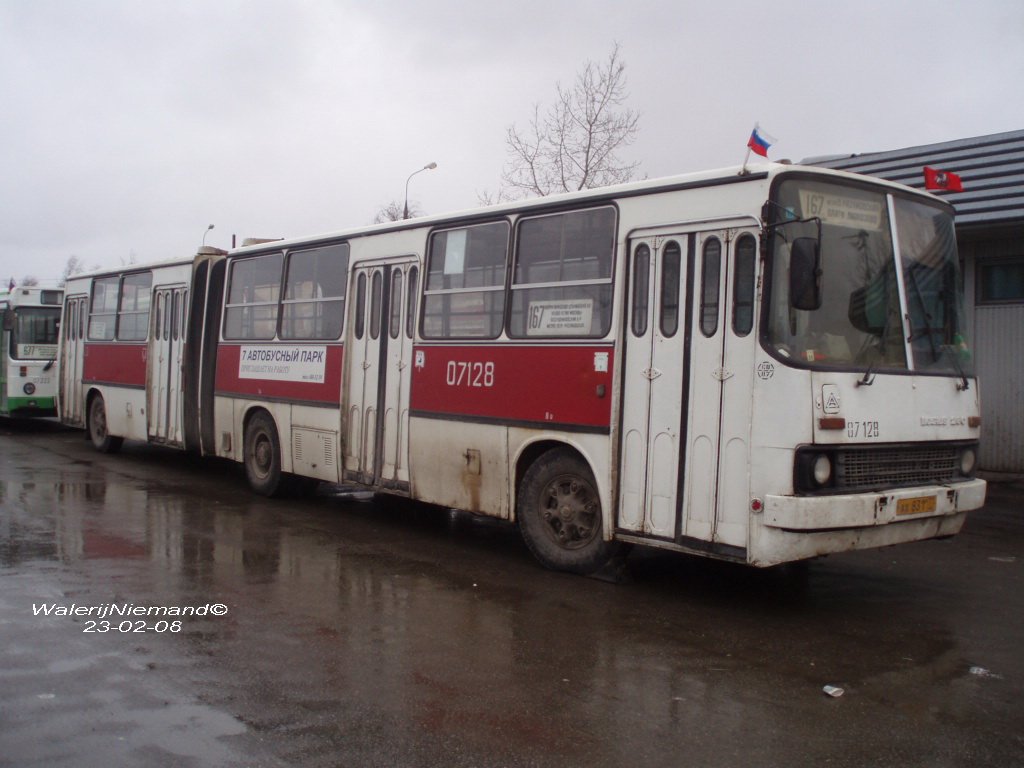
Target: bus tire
[559,513]
[101,438]
[263,456]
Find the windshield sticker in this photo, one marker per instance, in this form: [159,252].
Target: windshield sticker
[840,211]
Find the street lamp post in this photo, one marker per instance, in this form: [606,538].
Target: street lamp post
[428,167]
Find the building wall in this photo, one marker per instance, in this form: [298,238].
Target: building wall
[998,333]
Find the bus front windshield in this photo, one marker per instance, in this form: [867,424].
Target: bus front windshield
[35,333]
[860,324]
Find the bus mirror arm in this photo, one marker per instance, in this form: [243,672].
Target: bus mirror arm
[8,319]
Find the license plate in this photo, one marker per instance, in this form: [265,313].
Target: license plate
[916,506]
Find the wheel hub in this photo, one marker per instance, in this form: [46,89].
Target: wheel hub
[570,507]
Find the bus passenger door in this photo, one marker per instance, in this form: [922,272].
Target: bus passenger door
[654,387]
[379,364]
[394,469]
[72,356]
[176,358]
[164,377]
[721,374]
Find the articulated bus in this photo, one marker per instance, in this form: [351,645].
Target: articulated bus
[760,365]
[28,348]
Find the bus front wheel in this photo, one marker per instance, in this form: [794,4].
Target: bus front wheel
[101,438]
[559,512]
[263,456]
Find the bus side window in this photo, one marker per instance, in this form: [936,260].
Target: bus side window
[376,296]
[254,287]
[562,279]
[314,293]
[133,307]
[743,285]
[641,288]
[361,306]
[671,259]
[710,273]
[396,304]
[410,313]
[103,308]
[174,303]
[158,321]
[464,294]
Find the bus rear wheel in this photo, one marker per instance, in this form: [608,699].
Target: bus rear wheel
[263,456]
[101,438]
[559,512]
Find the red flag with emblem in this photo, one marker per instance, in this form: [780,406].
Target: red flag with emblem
[934,179]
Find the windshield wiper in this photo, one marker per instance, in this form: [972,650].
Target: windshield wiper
[964,384]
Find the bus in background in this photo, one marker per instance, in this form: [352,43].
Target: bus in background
[28,381]
[759,365]
[123,368]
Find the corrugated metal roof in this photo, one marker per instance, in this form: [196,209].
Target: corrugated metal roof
[990,167]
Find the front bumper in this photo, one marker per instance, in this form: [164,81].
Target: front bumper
[862,510]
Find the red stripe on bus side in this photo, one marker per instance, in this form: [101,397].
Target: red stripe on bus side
[535,384]
[229,382]
[115,363]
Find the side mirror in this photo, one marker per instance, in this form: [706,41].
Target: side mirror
[8,319]
[805,274]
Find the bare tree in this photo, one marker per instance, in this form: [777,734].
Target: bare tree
[503,195]
[395,211]
[29,280]
[73,266]
[573,145]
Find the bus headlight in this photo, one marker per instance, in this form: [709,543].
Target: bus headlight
[821,470]
[815,470]
[968,461]
[29,388]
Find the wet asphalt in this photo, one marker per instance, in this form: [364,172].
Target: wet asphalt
[348,630]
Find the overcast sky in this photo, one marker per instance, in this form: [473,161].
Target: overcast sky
[127,127]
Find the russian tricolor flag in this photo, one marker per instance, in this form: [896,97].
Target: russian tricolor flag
[760,141]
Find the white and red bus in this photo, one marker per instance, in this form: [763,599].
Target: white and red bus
[123,368]
[760,366]
[28,346]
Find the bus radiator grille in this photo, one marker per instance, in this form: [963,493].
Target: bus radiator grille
[883,467]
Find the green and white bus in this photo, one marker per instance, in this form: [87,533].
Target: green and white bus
[28,351]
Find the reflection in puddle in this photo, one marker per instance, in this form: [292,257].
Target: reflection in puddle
[359,622]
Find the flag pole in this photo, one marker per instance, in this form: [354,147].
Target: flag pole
[743,170]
